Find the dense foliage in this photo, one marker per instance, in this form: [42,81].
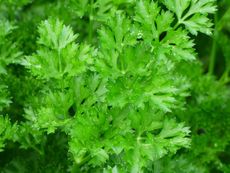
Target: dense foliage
[114,86]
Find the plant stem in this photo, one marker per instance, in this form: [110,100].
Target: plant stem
[157,167]
[75,169]
[212,58]
[214,49]
[91,22]
[224,78]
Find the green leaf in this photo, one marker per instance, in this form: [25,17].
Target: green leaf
[55,35]
[193,14]
[7,131]
[58,54]
[4,97]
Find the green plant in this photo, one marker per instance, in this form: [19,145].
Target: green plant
[108,86]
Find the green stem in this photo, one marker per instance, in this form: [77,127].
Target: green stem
[82,161]
[60,69]
[59,61]
[212,57]
[40,151]
[157,167]
[177,25]
[91,22]
[225,78]
[181,20]
[213,52]
[75,169]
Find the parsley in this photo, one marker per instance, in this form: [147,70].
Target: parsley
[112,86]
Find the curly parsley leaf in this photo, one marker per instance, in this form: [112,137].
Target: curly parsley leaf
[193,14]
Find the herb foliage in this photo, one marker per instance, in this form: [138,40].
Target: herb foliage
[114,86]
